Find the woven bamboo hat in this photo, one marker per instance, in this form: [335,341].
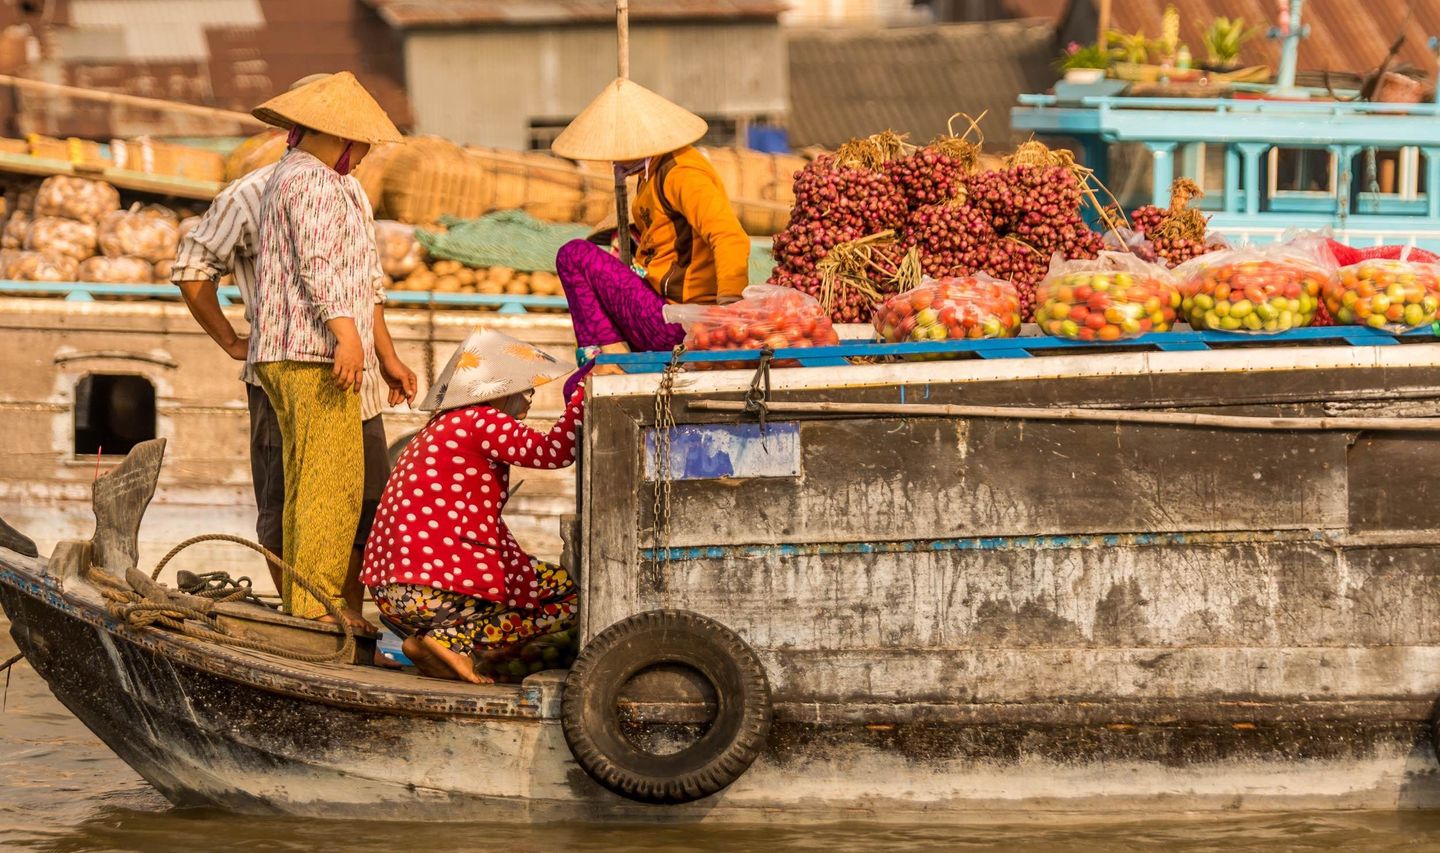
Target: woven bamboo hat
[336,104]
[627,121]
[489,365]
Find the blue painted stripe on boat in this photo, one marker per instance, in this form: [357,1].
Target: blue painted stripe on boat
[987,543]
[1026,347]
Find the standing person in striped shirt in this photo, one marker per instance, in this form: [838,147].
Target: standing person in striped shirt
[319,323]
[225,242]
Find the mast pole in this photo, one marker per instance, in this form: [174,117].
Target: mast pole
[622,200]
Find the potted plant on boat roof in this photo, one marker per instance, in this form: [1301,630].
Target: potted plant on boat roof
[1083,64]
[1132,52]
[1223,41]
[1084,70]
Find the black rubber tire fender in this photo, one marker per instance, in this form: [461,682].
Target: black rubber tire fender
[736,736]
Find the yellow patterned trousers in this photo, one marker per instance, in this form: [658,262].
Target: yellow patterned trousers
[324,477]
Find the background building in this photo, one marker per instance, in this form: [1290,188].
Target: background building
[225,53]
[513,73]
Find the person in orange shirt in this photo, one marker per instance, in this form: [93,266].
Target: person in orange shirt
[690,246]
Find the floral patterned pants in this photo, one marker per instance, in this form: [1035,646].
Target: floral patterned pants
[462,622]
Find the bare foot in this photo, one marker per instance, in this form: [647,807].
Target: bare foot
[385,662]
[461,667]
[607,370]
[420,655]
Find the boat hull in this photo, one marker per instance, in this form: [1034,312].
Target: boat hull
[251,744]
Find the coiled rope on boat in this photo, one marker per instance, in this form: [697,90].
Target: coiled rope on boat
[190,613]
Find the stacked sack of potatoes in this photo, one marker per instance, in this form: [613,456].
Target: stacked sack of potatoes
[73,229]
[409,267]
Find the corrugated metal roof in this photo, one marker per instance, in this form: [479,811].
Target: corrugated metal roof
[150,13]
[846,83]
[406,14]
[1345,35]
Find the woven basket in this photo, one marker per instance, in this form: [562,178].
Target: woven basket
[546,187]
[427,178]
[760,186]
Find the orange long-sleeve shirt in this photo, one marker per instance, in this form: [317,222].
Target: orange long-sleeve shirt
[691,243]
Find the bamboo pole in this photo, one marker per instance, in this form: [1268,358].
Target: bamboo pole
[129,100]
[1070,413]
[1102,25]
[622,199]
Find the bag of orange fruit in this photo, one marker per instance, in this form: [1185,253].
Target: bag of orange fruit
[1395,295]
[1113,297]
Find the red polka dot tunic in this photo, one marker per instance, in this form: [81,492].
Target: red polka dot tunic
[439,524]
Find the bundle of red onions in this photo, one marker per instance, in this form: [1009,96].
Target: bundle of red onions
[838,200]
[1005,222]
[1176,233]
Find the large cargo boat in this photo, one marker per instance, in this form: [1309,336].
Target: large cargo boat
[1189,571]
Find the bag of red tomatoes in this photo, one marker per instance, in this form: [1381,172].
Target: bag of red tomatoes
[1113,297]
[1257,290]
[767,317]
[950,308]
[1395,295]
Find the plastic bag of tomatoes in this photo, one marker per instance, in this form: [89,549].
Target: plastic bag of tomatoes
[1110,298]
[1395,295]
[950,308]
[767,317]
[1255,290]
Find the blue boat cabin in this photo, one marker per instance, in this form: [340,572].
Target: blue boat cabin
[1369,171]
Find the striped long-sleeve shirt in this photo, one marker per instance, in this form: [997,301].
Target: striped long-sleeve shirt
[226,240]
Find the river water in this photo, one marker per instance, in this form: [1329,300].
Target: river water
[61,790]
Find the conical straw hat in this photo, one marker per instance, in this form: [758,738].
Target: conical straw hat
[627,121]
[337,105]
[489,365]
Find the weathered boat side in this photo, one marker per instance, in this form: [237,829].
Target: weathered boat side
[1062,594]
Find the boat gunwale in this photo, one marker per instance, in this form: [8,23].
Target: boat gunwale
[281,676]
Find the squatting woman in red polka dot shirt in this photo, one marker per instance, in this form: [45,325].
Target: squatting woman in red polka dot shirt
[440,560]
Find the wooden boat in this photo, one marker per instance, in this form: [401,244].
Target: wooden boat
[953,617]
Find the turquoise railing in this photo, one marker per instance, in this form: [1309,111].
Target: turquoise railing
[86,291]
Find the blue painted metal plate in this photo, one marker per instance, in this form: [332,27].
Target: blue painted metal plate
[1027,347]
[723,451]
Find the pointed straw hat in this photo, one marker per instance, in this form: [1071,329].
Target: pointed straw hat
[627,121]
[336,104]
[489,365]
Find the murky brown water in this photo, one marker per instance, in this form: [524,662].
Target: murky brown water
[61,790]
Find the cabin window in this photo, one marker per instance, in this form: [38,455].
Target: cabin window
[1388,181]
[113,413]
[1302,172]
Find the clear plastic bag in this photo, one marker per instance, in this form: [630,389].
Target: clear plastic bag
[950,308]
[17,228]
[767,316]
[400,253]
[1256,290]
[1395,295]
[1113,297]
[80,199]
[54,235]
[117,270]
[38,266]
[151,233]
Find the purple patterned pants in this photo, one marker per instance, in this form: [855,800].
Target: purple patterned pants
[609,304]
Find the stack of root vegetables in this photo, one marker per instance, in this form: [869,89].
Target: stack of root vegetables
[961,212]
[408,266]
[74,229]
